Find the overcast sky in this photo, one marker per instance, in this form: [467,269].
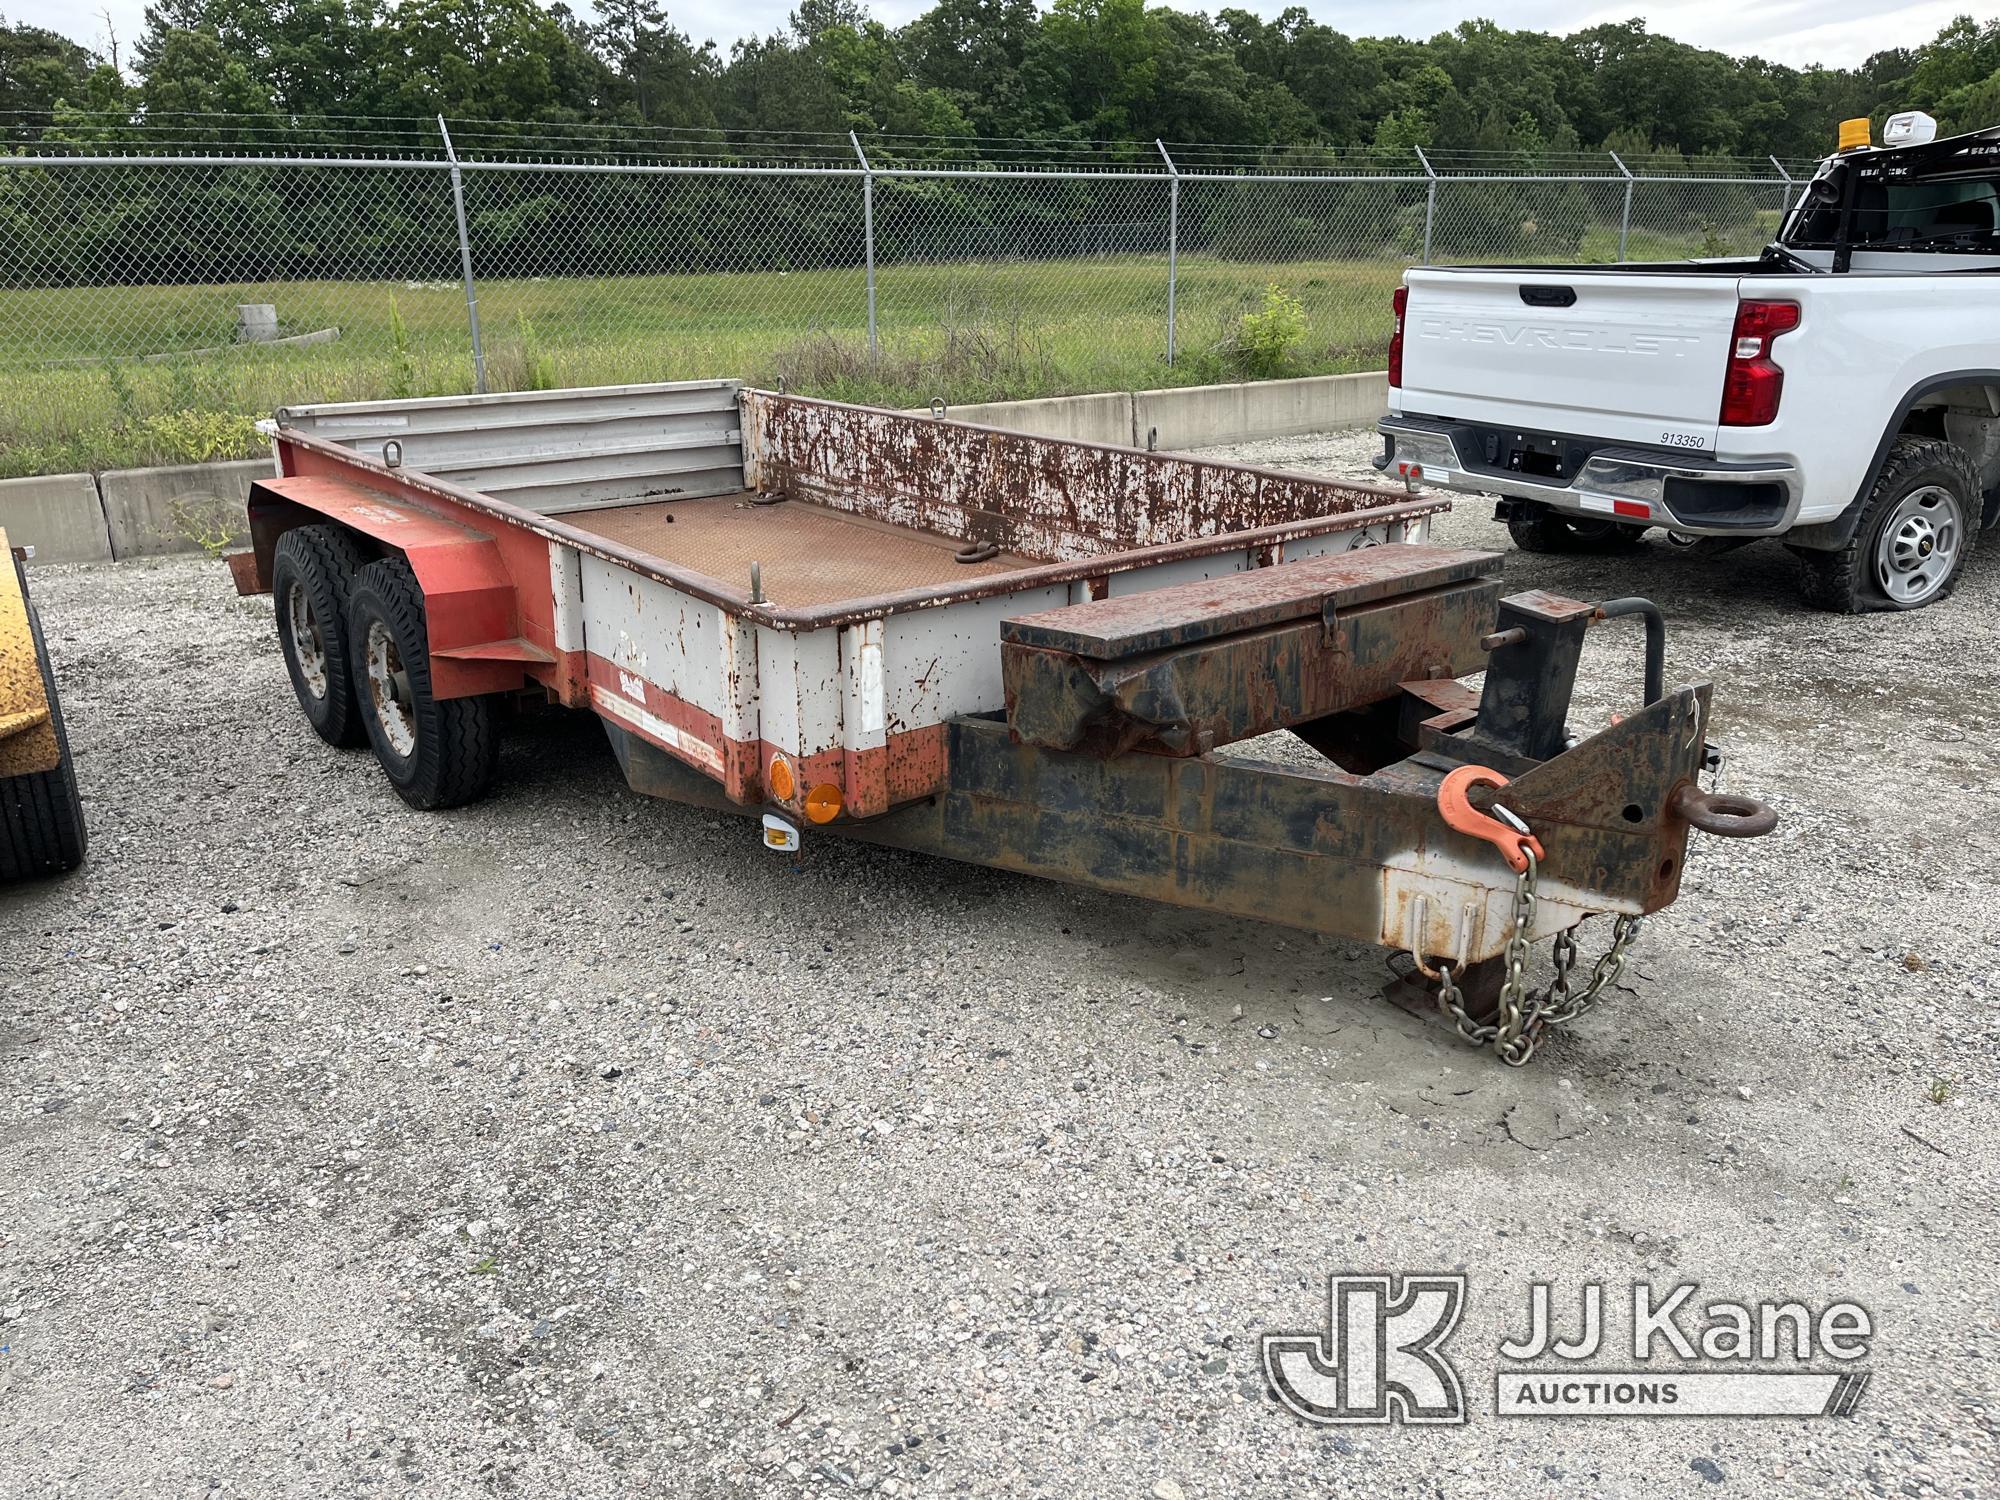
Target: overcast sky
[1839,33]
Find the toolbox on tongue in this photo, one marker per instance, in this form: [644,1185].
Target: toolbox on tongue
[1182,669]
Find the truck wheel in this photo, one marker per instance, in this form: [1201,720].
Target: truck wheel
[1536,528]
[1916,530]
[436,754]
[311,573]
[41,814]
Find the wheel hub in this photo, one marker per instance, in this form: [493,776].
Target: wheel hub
[389,690]
[1918,545]
[308,645]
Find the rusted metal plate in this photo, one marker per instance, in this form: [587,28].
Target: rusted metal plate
[806,553]
[1191,698]
[1131,625]
[1046,498]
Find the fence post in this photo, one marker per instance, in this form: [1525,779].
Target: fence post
[1784,198]
[465,262]
[1173,241]
[1430,201]
[868,236]
[1624,219]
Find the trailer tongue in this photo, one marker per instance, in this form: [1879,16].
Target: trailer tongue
[1055,658]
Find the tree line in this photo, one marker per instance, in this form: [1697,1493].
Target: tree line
[1099,76]
[998,81]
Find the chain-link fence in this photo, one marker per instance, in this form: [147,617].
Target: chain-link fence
[133,287]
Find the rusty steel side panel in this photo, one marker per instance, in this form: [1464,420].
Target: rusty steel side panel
[28,742]
[1188,700]
[1046,498]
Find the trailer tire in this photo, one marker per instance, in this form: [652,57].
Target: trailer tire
[1536,528]
[1928,491]
[436,753]
[311,573]
[41,813]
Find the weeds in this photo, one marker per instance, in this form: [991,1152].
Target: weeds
[402,366]
[1942,1090]
[1263,342]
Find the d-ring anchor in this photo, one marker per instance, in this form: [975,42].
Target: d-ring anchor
[1514,843]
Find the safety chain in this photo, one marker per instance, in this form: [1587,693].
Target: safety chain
[1523,1015]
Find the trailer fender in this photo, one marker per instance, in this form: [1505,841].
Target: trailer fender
[471,608]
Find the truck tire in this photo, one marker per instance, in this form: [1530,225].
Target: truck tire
[41,814]
[1916,530]
[436,753]
[1536,528]
[311,573]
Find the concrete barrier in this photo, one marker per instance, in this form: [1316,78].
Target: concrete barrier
[1195,416]
[1206,416]
[1101,418]
[150,512]
[59,515]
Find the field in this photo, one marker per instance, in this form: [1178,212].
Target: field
[965,332]
[100,377]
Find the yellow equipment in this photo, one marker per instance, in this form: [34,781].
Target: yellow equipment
[41,814]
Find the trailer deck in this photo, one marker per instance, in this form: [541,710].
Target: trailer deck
[808,555]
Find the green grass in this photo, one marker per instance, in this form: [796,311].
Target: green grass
[963,332]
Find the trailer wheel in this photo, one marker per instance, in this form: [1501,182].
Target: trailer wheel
[1916,530]
[311,573]
[41,813]
[1536,528]
[437,754]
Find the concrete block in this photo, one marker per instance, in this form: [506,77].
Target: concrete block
[59,515]
[1205,416]
[150,512]
[256,323]
[1102,418]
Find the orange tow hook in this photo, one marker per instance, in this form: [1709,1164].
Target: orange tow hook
[1459,813]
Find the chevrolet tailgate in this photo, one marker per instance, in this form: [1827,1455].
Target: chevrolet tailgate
[1636,358]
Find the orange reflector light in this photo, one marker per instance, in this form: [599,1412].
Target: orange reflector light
[783,782]
[823,803]
[1853,133]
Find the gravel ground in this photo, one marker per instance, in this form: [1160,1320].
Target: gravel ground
[568,1145]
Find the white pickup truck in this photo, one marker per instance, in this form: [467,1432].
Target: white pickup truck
[1841,390]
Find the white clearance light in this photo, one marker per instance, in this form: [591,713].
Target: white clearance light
[1911,128]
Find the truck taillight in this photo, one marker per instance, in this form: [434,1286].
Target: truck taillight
[1401,303]
[1753,383]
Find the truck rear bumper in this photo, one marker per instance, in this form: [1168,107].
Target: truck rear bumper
[1704,497]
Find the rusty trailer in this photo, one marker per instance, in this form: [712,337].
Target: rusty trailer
[1052,657]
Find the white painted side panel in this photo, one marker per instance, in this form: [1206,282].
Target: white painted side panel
[566,586]
[865,712]
[655,633]
[800,689]
[941,662]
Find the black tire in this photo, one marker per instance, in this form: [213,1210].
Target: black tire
[314,569]
[1866,574]
[436,754]
[1536,528]
[41,814]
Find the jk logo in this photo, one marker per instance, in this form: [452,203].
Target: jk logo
[1378,1359]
